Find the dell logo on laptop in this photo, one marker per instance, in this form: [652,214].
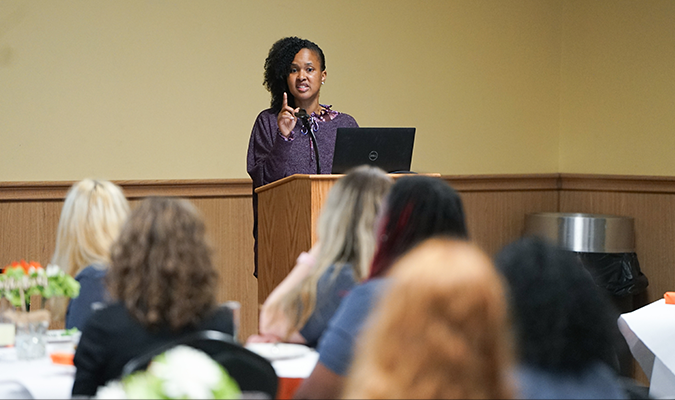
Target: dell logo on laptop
[372,156]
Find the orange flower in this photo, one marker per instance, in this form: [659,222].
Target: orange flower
[24,265]
[35,264]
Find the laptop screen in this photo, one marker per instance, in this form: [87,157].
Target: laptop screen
[387,148]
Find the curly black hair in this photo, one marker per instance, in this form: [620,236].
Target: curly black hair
[278,66]
[562,320]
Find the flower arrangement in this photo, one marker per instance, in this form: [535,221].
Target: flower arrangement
[180,373]
[22,279]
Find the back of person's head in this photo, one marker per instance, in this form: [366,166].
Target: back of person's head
[439,330]
[562,321]
[346,233]
[346,226]
[91,219]
[416,208]
[161,264]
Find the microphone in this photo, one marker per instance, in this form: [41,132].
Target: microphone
[304,117]
[302,114]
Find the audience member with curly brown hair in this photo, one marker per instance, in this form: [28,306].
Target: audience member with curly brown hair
[163,280]
[439,332]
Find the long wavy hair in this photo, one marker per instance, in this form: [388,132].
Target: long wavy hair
[91,219]
[417,208]
[161,265]
[562,320]
[346,233]
[278,67]
[440,331]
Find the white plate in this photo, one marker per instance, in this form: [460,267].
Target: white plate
[59,336]
[278,351]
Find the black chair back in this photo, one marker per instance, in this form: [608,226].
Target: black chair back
[252,372]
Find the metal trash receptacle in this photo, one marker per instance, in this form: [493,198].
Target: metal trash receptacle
[605,245]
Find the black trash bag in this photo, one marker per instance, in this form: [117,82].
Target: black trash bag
[618,273]
[619,276]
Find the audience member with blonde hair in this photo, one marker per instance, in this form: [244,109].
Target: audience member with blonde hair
[299,309]
[164,283]
[416,208]
[91,219]
[439,332]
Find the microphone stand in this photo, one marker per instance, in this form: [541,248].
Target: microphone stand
[302,114]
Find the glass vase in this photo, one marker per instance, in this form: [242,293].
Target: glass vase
[31,332]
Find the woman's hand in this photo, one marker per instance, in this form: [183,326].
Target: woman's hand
[263,339]
[286,118]
[295,337]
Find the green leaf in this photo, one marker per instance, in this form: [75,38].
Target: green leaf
[227,387]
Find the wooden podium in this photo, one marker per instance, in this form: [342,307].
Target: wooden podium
[288,210]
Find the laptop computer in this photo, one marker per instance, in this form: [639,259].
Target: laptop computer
[387,148]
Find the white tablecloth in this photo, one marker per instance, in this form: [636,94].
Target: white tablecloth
[299,367]
[38,379]
[42,379]
[650,334]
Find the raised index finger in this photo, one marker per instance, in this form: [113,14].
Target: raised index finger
[285,104]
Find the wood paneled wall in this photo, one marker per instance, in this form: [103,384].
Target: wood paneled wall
[30,211]
[495,207]
[650,201]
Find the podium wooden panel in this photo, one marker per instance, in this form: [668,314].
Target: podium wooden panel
[288,210]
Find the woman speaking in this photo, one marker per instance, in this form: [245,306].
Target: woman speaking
[281,140]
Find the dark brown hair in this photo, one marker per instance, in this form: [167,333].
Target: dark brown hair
[161,265]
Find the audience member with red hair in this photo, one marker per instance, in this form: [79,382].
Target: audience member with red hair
[439,332]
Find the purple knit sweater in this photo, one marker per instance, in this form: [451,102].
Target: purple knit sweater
[271,158]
